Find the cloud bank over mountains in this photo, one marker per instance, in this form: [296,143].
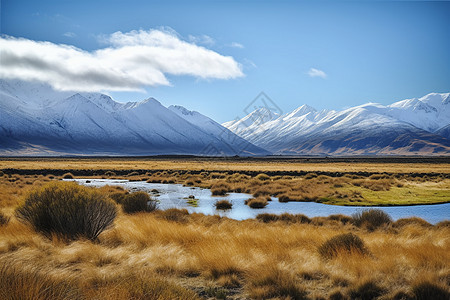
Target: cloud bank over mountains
[130,62]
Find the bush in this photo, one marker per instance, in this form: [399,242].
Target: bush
[138,202]
[367,291]
[429,290]
[68,210]
[223,204]
[3,219]
[347,243]
[371,218]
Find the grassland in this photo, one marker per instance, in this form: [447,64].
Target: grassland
[176,255]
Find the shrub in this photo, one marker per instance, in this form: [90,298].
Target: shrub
[429,290]
[68,176]
[371,218]
[138,202]
[259,202]
[347,243]
[3,219]
[223,204]
[366,291]
[68,210]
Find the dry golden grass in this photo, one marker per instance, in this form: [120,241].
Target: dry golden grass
[173,255]
[225,164]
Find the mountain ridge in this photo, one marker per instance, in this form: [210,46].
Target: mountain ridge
[420,126]
[47,122]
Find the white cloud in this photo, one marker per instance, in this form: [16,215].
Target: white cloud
[202,40]
[69,34]
[317,73]
[131,61]
[236,45]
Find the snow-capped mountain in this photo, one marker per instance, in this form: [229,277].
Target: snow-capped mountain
[412,126]
[36,120]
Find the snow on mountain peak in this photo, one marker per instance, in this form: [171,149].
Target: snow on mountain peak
[300,111]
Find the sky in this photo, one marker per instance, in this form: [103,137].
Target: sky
[215,57]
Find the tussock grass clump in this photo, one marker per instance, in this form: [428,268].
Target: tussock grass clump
[68,176]
[138,202]
[175,215]
[411,221]
[259,202]
[340,218]
[68,210]
[367,291]
[262,177]
[4,219]
[371,218]
[428,290]
[220,189]
[271,282]
[223,204]
[344,243]
[288,218]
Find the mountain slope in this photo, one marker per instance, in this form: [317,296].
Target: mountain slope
[410,127]
[35,120]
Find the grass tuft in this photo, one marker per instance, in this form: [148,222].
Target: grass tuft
[223,204]
[371,219]
[348,243]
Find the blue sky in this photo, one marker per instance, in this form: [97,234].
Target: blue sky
[367,51]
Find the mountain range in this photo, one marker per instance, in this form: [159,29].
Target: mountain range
[418,126]
[37,120]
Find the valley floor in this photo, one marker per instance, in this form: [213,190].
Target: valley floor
[175,255]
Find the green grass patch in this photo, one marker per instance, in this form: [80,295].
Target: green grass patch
[406,195]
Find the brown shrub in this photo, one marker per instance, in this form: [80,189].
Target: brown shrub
[67,209]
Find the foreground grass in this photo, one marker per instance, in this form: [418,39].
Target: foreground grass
[174,255]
